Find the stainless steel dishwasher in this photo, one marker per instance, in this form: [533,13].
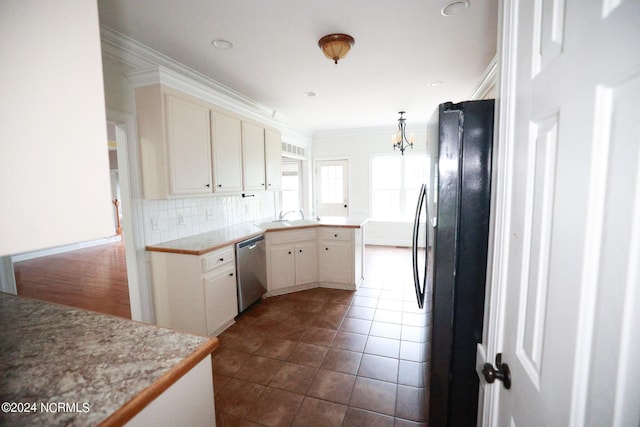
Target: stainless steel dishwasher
[252,271]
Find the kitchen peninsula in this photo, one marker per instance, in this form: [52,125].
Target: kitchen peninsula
[194,278]
[66,366]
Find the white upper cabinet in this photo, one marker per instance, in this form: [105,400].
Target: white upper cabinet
[175,143]
[273,159]
[253,156]
[227,153]
[189,147]
[189,143]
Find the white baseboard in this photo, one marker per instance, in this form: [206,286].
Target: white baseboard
[62,249]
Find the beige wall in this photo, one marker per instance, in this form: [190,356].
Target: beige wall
[53,159]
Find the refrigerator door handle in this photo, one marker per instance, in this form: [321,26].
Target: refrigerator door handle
[420,288]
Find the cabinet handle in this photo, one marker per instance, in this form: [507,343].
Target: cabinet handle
[269,184]
[335,235]
[230,274]
[221,259]
[326,249]
[208,185]
[289,252]
[300,250]
[219,185]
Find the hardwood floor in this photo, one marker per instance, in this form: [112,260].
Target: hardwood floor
[93,278]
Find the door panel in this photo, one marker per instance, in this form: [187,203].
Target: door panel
[570,215]
[332,188]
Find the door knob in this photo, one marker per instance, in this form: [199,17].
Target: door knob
[503,373]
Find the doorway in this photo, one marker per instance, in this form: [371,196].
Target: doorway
[332,187]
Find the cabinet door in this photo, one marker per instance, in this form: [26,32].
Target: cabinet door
[227,153]
[189,142]
[273,159]
[253,155]
[221,303]
[282,267]
[336,262]
[306,263]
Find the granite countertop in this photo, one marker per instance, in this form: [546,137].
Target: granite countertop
[97,365]
[203,243]
[200,244]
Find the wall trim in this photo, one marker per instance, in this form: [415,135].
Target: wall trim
[487,80]
[497,271]
[62,249]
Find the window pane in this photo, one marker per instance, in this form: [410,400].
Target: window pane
[290,195]
[395,183]
[415,170]
[386,172]
[331,184]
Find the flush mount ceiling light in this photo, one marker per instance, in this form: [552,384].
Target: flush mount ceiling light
[455,8]
[399,139]
[336,46]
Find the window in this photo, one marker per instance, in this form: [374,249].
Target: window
[291,196]
[395,183]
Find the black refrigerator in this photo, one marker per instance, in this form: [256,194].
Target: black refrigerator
[450,243]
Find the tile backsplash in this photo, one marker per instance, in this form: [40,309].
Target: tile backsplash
[172,219]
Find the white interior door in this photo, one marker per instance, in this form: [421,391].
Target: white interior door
[332,187]
[571,230]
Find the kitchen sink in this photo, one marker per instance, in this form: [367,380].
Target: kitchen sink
[270,225]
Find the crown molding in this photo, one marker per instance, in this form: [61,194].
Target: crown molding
[149,67]
[487,80]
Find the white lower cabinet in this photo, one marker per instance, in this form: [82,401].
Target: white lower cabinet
[306,262]
[195,294]
[220,298]
[325,256]
[291,259]
[337,260]
[282,267]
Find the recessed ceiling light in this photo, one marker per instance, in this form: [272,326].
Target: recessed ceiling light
[435,84]
[310,94]
[455,8]
[222,44]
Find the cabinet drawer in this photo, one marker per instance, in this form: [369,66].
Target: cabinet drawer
[217,258]
[336,234]
[277,237]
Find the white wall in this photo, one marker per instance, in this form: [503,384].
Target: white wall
[357,145]
[53,159]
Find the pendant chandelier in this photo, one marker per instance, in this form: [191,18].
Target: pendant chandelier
[399,139]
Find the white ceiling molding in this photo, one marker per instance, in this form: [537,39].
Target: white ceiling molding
[150,67]
[487,81]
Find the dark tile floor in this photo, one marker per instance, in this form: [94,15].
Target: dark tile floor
[326,357]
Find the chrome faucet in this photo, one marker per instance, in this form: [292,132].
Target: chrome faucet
[281,215]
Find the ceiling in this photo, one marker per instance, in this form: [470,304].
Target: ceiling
[400,47]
